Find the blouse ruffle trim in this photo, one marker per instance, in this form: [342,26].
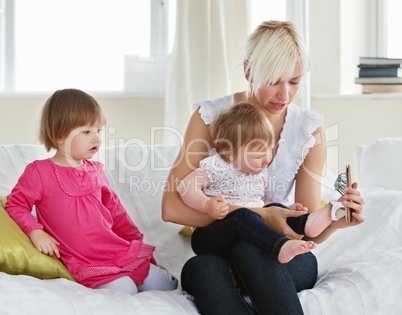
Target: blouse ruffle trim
[310,121]
[209,109]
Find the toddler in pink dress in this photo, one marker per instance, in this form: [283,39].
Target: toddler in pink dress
[80,218]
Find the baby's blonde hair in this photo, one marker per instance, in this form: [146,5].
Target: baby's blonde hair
[271,54]
[64,111]
[241,125]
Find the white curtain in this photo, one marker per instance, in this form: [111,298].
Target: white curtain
[207,57]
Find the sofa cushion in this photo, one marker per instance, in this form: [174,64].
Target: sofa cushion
[14,158]
[378,164]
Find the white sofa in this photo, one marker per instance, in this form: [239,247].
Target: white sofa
[360,269]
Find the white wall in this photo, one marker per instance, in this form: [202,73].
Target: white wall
[350,121]
[325,46]
[339,35]
[127,119]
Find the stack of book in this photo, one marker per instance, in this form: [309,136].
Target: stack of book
[380,75]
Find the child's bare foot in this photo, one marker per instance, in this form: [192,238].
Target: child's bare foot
[294,247]
[318,221]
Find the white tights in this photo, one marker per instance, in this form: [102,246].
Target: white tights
[158,279]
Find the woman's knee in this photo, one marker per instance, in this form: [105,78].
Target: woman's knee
[210,280]
[303,270]
[203,270]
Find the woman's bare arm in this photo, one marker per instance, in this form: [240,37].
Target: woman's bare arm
[196,146]
[308,186]
[308,179]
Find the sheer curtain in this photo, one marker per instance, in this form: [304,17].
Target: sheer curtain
[206,59]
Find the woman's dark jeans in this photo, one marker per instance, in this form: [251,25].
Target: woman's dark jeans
[217,283]
[240,264]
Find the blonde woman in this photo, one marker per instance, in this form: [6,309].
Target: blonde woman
[274,64]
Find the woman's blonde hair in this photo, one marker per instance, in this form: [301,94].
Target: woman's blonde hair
[241,125]
[64,111]
[271,54]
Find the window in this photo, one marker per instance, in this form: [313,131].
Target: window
[96,45]
[394,42]
[263,10]
[386,41]
[47,44]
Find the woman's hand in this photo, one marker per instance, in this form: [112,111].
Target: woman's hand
[44,243]
[276,217]
[355,201]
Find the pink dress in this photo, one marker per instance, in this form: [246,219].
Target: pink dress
[98,240]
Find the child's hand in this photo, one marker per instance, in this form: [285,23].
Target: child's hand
[44,243]
[216,207]
[298,207]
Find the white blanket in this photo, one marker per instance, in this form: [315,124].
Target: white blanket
[360,268]
[360,272]
[28,295]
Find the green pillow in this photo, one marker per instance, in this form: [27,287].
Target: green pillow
[186,231]
[19,256]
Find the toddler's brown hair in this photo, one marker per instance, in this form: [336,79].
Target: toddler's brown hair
[64,111]
[240,125]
